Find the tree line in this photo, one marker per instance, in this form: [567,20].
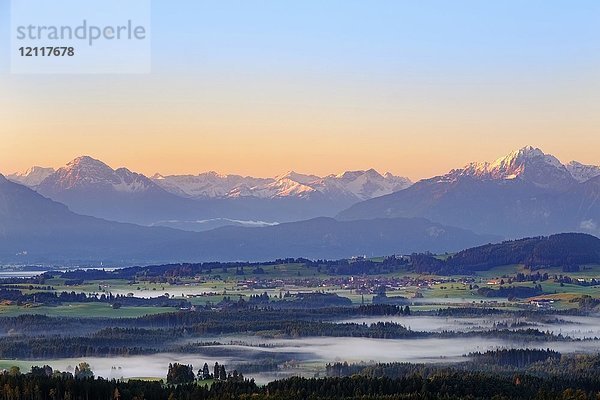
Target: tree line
[443,385]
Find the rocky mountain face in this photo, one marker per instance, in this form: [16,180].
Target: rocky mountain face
[524,193]
[85,173]
[351,185]
[582,172]
[32,177]
[90,187]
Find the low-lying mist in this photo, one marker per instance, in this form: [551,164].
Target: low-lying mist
[301,353]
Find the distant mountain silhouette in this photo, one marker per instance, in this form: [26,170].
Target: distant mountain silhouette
[36,229]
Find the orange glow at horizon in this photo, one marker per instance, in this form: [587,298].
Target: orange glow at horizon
[155,124]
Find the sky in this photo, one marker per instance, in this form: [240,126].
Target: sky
[259,88]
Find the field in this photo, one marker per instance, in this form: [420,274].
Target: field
[277,280]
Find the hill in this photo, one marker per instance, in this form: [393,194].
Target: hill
[561,250]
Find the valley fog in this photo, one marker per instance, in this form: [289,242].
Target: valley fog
[307,356]
[576,327]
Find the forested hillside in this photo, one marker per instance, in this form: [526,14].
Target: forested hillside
[562,250]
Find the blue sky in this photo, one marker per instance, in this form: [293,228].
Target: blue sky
[463,79]
[383,35]
[378,36]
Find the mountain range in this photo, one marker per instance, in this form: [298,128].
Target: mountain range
[351,185]
[199,202]
[524,193]
[35,229]
[87,211]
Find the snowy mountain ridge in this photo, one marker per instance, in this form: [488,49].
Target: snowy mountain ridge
[358,185]
[87,172]
[32,177]
[530,164]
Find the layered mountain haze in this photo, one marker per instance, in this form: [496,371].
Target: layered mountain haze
[36,229]
[205,201]
[327,238]
[524,193]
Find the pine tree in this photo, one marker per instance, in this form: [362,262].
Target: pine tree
[216,371]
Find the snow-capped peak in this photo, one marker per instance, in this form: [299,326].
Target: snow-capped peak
[36,170]
[214,175]
[296,177]
[352,185]
[89,173]
[363,185]
[86,161]
[582,172]
[285,187]
[370,173]
[528,163]
[32,177]
[514,164]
